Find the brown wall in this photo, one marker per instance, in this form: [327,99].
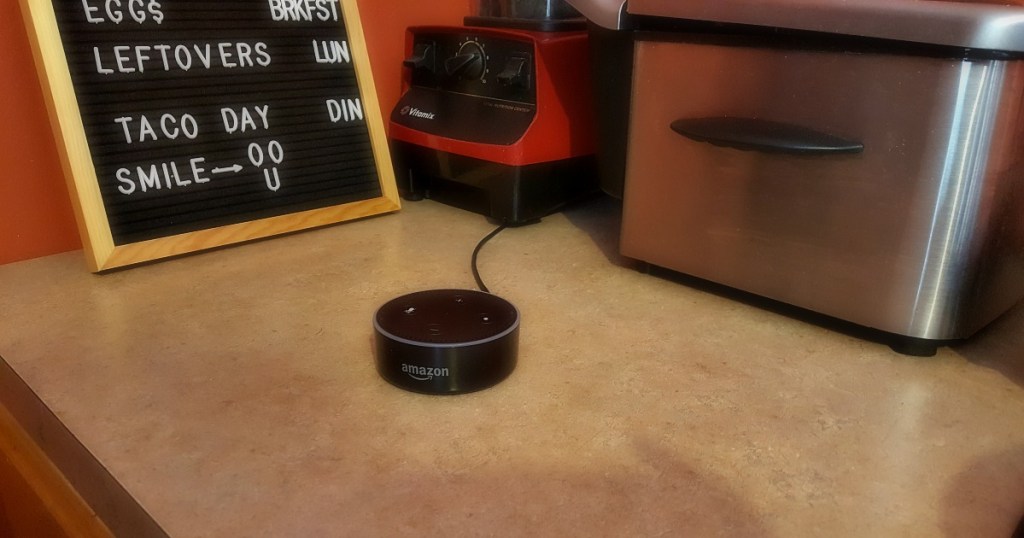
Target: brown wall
[36,218]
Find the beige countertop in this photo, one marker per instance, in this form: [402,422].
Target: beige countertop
[233,393]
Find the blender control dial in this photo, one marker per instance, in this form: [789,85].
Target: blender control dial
[469,63]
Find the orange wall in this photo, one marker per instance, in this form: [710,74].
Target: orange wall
[35,212]
[36,218]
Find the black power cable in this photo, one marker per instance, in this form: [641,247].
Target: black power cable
[476,272]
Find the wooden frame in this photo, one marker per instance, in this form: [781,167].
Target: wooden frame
[80,172]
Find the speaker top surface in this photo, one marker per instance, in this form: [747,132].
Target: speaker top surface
[446,317]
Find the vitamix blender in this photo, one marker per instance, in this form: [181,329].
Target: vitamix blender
[497,115]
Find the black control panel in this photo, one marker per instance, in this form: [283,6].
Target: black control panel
[471,64]
[471,87]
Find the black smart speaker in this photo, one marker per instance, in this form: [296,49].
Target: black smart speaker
[446,341]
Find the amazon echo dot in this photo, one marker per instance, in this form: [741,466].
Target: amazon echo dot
[446,341]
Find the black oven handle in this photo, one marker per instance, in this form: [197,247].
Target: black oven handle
[751,134]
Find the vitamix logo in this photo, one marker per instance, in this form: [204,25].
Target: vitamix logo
[423,373]
[417,113]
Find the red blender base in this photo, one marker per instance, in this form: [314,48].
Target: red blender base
[497,121]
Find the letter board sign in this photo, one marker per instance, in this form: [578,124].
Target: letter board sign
[185,125]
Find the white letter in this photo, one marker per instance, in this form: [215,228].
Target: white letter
[261,111]
[154,10]
[137,11]
[182,50]
[169,133]
[198,170]
[163,55]
[123,176]
[140,55]
[343,51]
[124,123]
[172,172]
[146,128]
[205,58]
[151,180]
[316,53]
[230,124]
[99,64]
[122,59]
[89,10]
[244,51]
[225,55]
[272,184]
[333,110]
[276,151]
[115,15]
[189,126]
[263,57]
[256,154]
[275,9]
[353,109]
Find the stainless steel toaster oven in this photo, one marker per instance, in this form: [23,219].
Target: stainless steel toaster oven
[860,159]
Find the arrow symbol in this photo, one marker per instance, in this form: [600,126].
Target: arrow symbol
[235,168]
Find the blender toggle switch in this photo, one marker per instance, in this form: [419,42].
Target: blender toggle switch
[515,72]
[422,57]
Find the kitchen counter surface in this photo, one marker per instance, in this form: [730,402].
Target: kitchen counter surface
[233,393]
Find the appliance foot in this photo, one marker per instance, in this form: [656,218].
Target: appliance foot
[915,347]
[412,196]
